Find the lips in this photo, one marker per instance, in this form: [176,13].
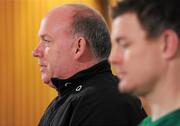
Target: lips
[43,66]
[121,74]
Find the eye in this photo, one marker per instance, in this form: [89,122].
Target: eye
[45,40]
[124,44]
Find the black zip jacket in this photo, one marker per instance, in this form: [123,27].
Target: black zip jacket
[91,98]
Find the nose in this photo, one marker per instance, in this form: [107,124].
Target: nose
[38,51]
[115,57]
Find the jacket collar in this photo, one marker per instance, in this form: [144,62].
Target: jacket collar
[62,85]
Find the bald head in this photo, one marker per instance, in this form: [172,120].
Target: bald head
[73,9]
[85,21]
[72,38]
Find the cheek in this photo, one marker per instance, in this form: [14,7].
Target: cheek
[130,60]
[135,63]
[46,52]
[51,54]
[127,56]
[51,57]
[144,64]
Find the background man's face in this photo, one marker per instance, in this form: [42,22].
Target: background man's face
[136,59]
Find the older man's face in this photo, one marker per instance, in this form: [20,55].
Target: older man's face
[136,59]
[54,50]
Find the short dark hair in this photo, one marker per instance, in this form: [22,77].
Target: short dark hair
[94,29]
[154,16]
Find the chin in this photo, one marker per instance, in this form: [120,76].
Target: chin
[133,89]
[45,79]
[125,87]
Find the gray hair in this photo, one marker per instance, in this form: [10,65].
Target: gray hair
[92,26]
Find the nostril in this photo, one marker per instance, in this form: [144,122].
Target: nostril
[38,51]
[113,58]
[34,53]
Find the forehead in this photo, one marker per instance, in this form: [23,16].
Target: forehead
[126,25]
[56,21]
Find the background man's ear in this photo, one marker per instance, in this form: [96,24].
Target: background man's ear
[79,47]
[171,43]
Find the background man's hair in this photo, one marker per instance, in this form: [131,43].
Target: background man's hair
[154,16]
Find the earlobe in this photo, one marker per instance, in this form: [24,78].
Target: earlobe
[171,42]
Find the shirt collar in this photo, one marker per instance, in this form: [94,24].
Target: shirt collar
[64,84]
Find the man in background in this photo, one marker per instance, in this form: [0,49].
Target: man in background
[72,53]
[146,54]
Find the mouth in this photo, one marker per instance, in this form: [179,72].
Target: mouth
[121,74]
[43,67]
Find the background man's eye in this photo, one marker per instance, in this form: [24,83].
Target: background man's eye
[125,45]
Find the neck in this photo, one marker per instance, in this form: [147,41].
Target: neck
[158,109]
[165,97]
[83,66]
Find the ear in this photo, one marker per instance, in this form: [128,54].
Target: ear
[79,47]
[170,42]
